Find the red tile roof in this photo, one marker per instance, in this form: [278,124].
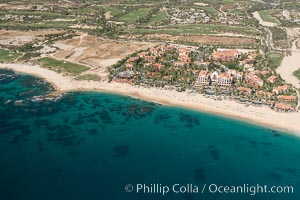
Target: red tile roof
[263,93]
[132,59]
[158,66]
[272,79]
[280,88]
[225,55]
[287,98]
[244,89]
[283,106]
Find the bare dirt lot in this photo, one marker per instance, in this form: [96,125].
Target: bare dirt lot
[18,38]
[293,34]
[96,51]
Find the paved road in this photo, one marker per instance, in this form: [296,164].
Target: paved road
[269,39]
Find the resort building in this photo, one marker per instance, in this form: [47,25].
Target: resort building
[246,91]
[254,80]
[249,67]
[264,94]
[272,79]
[147,64]
[224,79]
[143,54]
[225,55]
[167,48]
[199,63]
[280,89]
[125,76]
[132,59]
[184,58]
[181,64]
[195,71]
[234,73]
[183,51]
[287,98]
[150,59]
[204,78]
[239,76]
[214,77]
[282,107]
[129,66]
[264,72]
[158,66]
[154,51]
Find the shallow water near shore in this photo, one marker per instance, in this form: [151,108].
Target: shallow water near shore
[88,145]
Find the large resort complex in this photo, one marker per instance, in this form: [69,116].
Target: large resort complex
[238,58]
[149,99]
[234,74]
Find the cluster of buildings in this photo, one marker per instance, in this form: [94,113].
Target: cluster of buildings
[230,18]
[225,55]
[20,18]
[292,15]
[218,78]
[152,57]
[193,15]
[188,16]
[227,77]
[249,79]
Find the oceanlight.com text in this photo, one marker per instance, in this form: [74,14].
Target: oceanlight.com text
[208,188]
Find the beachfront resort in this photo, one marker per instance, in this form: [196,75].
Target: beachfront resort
[215,83]
[240,59]
[245,76]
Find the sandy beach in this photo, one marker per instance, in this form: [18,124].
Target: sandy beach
[290,64]
[288,122]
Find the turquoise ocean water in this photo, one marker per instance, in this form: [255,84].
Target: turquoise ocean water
[89,146]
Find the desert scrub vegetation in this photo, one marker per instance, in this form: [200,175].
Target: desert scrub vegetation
[8,56]
[88,77]
[297,73]
[275,59]
[62,66]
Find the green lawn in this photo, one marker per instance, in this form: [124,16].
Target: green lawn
[197,30]
[174,31]
[297,73]
[88,77]
[8,56]
[275,59]
[133,16]
[158,17]
[62,66]
[210,29]
[239,12]
[114,11]
[266,15]
[279,37]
